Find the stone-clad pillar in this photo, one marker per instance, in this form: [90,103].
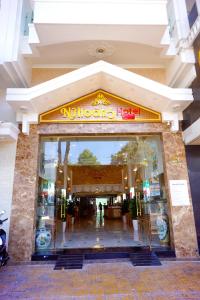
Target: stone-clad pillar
[21,243]
[182,217]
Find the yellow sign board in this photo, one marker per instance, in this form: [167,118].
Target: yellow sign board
[100,107]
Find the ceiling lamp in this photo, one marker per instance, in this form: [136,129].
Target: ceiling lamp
[100,50]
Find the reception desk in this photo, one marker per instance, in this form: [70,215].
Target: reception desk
[112,212]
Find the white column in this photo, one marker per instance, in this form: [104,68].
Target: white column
[7,167]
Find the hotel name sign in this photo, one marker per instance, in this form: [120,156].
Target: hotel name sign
[100,107]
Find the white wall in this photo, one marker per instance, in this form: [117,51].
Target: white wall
[7,165]
[100,12]
[7,113]
[14,69]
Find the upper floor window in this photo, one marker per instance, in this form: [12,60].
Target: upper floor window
[191,11]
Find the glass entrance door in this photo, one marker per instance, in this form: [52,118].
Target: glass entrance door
[101,192]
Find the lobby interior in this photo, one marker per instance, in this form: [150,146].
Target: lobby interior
[85,196]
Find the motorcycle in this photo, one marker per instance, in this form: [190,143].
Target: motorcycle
[3,253]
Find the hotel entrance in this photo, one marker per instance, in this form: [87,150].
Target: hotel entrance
[99,170]
[97,192]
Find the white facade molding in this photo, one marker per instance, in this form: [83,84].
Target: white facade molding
[8,132]
[10,16]
[172,119]
[100,75]
[28,49]
[191,135]
[33,36]
[181,71]
[26,119]
[25,126]
[168,44]
[50,34]
[99,12]
[128,21]
[7,169]
[15,73]
[14,70]
[30,42]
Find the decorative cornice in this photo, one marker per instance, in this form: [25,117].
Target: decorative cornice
[8,132]
[12,75]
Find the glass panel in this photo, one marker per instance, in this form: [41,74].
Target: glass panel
[91,189]
[45,233]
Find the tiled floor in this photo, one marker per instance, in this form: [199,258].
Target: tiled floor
[97,281]
[97,232]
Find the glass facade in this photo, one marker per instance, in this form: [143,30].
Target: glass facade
[89,188]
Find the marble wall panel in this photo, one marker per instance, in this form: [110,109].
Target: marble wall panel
[182,217]
[21,242]
[102,128]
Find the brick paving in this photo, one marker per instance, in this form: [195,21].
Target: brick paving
[113,280]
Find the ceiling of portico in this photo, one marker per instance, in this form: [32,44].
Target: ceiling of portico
[80,53]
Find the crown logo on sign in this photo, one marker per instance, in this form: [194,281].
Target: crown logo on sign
[100,100]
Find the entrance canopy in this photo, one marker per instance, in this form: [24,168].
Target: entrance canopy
[29,103]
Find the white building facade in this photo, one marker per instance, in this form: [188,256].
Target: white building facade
[55,52]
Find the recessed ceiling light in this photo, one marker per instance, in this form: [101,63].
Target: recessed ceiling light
[100,50]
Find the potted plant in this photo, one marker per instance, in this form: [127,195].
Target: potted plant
[133,207]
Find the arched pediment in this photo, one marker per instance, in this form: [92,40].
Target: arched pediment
[101,75]
[97,107]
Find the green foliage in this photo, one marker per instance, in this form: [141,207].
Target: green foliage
[127,152]
[87,158]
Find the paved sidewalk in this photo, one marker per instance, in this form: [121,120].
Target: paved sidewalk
[114,281]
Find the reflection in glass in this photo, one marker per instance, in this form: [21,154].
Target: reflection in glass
[76,174]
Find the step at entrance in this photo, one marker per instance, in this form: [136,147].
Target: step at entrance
[69,261]
[144,259]
[106,255]
[138,256]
